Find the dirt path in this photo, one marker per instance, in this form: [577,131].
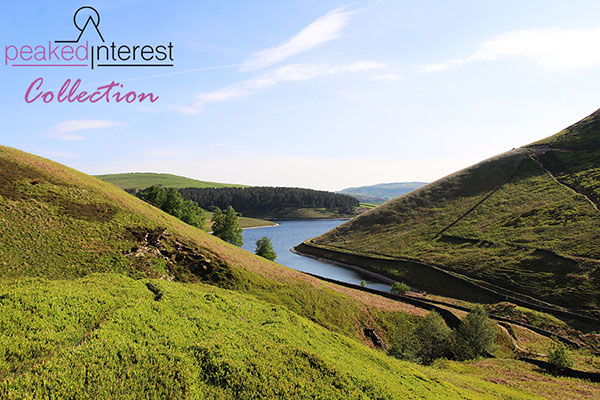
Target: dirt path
[487,196]
[534,157]
[516,343]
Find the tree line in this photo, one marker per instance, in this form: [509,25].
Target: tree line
[170,201]
[261,200]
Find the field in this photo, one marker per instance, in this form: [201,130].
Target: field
[142,180]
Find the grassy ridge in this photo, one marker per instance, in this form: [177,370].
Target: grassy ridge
[142,180]
[526,220]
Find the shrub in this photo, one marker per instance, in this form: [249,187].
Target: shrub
[559,357]
[475,335]
[399,288]
[264,248]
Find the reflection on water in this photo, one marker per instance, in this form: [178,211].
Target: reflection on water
[291,233]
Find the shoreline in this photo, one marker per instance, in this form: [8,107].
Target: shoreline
[264,226]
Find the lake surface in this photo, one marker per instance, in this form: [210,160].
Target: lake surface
[291,233]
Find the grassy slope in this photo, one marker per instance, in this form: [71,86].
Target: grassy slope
[506,220]
[193,341]
[128,333]
[142,180]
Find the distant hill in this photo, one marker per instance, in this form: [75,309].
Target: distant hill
[382,192]
[525,222]
[142,180]
[275,202]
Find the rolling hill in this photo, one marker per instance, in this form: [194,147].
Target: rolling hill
[382,192]
[522,225]
[142,180]
[104,296]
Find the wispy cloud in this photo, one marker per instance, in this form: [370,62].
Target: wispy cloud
[288,73]
[549,48]
[387,77]
[322,30]
[64,130]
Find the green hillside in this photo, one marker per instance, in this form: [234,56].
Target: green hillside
[142,180]
[104,296]
[525,221]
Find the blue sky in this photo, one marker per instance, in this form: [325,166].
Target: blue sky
[321,94]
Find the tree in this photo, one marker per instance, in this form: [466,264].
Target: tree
[433,336]
[475,335]
[399,288]
[173,203]
[559,357]
[226,227]
[264,248]
[192,214]
[363,283]
[154,195]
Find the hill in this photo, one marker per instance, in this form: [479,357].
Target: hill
[523,224]
[382,192]
[142,180]
[104,296]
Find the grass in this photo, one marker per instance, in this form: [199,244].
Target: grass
[105,296]
[368,206]
[195,341]
[198,341]
[142,180]
[524,220]
[57,223]
[245,222]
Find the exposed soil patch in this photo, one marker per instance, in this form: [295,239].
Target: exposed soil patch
[184,261]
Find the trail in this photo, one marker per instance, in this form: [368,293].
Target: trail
[534,156]
[516,343]
[487,196]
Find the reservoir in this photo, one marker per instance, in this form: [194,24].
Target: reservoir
[291,233]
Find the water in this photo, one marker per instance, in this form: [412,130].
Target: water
[291,233]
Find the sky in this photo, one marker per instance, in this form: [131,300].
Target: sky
[321,94]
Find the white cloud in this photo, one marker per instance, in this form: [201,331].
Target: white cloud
[324,29]
[387,77]
[69,137]
[83,124]
[552,48]
[63,130]
[287,73]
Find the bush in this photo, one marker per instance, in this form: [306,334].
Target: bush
[433,336]
[405,347]
[264,248]
[399,288]
[475,335]
[559,357]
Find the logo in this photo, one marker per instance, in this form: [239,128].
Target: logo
[75,54]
